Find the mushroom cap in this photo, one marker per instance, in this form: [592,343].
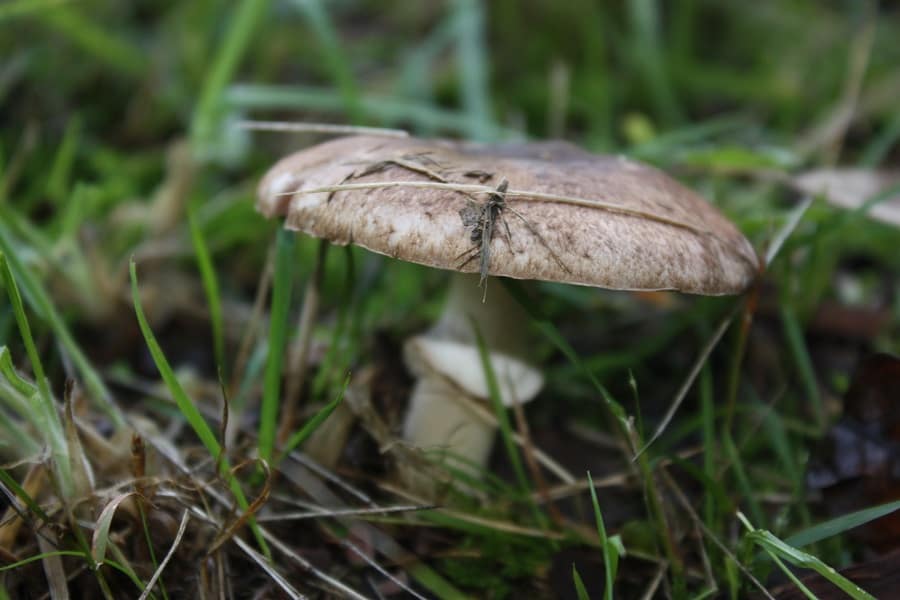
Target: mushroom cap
[569,216]
[518,382]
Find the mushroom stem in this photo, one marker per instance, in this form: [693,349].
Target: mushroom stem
[440,413]
[500,319]
[439,419]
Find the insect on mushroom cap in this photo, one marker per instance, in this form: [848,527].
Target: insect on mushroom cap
[562,215]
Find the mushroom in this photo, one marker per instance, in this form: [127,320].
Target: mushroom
[540,211]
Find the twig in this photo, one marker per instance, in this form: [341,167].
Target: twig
[689,380]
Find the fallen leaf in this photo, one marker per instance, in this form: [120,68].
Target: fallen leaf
[851,188]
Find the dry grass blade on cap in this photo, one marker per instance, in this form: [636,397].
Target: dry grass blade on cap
[285,126]
[524,195]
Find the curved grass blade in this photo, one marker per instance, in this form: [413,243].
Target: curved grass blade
[779,550]
[241,26]
[190,412]
[310,426]
[612,547]
[210,286]
[101,530]
[839,525]
[580,590]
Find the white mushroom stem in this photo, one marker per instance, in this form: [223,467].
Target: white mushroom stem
[451,376]
[499,317]
[438,421]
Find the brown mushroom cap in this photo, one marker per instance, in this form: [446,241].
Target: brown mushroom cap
[572,216]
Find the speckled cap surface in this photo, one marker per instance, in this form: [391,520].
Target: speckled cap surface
[567,215]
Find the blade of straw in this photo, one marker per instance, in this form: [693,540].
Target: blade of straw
[288,127]
[525,195]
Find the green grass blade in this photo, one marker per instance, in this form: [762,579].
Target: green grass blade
[210,287]
[708,426]
[13,438]
[416,79]
[841,524]
[879,148]
[335,61]
[43,410]
[794,579]
[95,39]
[580,590]
[15,299]
[506,432]
[610,550]
[278,329]
[145,526]
[61,171]
[8,370]
[310,426]
[13,485]
[432,580]
[500,411]
[185,405]
[472,58]
[41,304]
[740,474]
[20,8]
[551,333]
[209,110]
[42,414]
[337,358]
[780,442]
[187,408]
[778,550]
[649,57]
[797,345]
[26,561]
